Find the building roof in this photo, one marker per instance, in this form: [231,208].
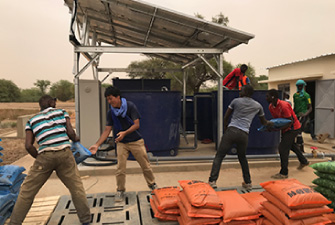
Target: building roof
[303,60]
[130,23]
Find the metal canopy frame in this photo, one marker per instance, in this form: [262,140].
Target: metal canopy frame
[100,27]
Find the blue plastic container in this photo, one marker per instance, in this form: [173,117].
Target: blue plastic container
[160,119]
[259,142]
[204,115]
[189,113]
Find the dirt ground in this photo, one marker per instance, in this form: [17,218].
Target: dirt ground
[13,148]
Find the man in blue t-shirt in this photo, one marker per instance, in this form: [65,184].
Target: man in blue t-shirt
[243,110]
[124,118]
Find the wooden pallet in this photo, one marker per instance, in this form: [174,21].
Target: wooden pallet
[40,211]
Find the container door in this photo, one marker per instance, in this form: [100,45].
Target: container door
[324,107]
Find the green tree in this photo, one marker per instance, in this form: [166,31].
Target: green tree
[30,95]
[263,86]
[220,19]
[62,90]
[42,85]
[9,92]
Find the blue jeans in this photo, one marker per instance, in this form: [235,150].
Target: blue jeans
[232,136]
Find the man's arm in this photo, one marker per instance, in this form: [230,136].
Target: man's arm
[228,78]
[103,137]
[122,134]
[265,122]
[226,118]
[70,132]
[29,145]
[309,110]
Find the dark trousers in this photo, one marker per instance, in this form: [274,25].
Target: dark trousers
[286,144]
[240,139]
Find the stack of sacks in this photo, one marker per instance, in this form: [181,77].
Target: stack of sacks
[164,203]
[11,178]
[291,202]
[198,204]
[255,199]
[237,210]
[326,181]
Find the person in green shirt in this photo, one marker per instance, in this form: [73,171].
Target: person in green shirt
[303,108]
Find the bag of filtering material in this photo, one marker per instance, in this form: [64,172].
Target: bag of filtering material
[15,187]
[80,153]
[6,203]
[278,123]
[9,173]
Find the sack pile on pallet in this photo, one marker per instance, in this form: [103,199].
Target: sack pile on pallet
[283,202]
[164,203]
[326,180]
[291,202]
[11,178]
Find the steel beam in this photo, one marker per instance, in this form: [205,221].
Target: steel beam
[144,50]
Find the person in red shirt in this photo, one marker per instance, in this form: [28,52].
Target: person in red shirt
[282,109]
[235,78]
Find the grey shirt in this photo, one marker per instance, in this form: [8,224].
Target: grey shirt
[244,110]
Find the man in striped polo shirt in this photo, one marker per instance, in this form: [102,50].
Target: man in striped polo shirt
[52,130]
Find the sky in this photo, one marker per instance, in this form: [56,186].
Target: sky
[34,41]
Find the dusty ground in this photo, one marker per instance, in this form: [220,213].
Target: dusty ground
[13,148]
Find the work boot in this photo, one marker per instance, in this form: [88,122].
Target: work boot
[153,186]
[301,166]
[212,184]
[119,196]
[279,176]
[247,187]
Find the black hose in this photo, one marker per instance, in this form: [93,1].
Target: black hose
[109,162]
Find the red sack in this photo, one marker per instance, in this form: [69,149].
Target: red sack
[166,197]
[198,211]
[183,219]
[200,194]
[294,194]
[172,211]
[297,213]
[255,199]
[235,207]
[161,216]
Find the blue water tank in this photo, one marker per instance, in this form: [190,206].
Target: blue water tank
[160,118]
[189,114]
[258,142]
[204,106]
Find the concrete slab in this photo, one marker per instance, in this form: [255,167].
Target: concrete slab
[102,179]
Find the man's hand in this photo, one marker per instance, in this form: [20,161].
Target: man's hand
[120,136]
[270,123]
[93,149]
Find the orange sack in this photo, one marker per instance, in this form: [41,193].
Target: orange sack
[255,199]
[166,197]
[297,213]
[235,207]
[277,217]
[239,222]
[198,211]
[294,194]
[172,211]
[161,216]
[183,219]
[200,194]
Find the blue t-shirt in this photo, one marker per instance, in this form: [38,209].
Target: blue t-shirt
[133,114]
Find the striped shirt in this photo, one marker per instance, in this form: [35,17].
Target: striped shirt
[49,129]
